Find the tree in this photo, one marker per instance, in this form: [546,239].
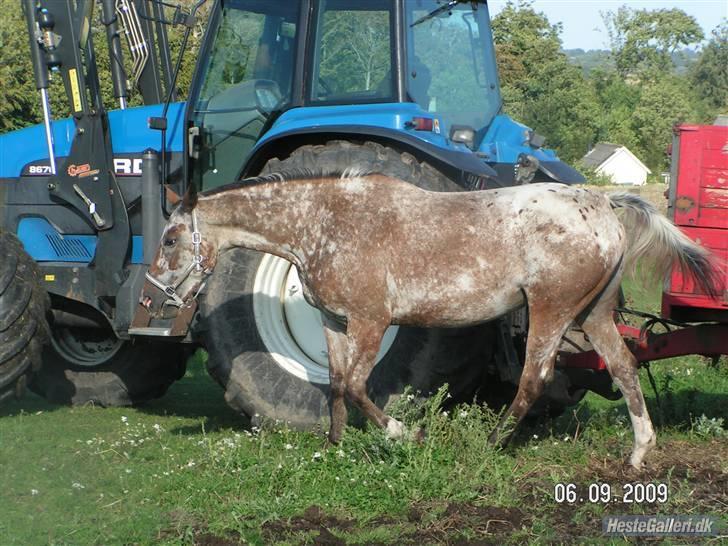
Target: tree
[643,41]
[20,104]
[19,96]
[709,75]
[540,86]
[662,104]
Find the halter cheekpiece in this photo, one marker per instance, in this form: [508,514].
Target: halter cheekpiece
[196,264]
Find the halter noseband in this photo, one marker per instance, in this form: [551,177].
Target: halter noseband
[197,259]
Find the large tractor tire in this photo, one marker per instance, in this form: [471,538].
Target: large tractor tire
[24,306]
[266,345]
[92,366]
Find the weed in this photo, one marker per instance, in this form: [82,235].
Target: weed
[704,427]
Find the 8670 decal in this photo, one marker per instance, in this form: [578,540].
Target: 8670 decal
[603,493]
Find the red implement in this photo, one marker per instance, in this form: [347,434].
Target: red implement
[698,203]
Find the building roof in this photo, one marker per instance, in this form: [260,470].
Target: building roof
[599,154]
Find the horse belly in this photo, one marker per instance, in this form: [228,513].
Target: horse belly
[453,308]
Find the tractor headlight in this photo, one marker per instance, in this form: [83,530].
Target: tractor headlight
[464,134]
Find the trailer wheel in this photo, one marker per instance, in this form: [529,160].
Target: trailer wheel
[83,365]
[266,345]
[24,305]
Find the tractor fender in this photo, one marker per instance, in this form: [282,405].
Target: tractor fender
[464,168]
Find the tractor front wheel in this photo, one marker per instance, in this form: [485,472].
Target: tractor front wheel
[91,365]
[24,305]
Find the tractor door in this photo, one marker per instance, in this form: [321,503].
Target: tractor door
[244,77]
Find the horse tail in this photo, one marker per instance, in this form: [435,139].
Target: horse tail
[651,235]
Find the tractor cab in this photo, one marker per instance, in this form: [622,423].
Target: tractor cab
[421,70]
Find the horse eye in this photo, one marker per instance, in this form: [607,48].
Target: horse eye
[170,242]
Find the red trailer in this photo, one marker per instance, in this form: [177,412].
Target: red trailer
[698,203]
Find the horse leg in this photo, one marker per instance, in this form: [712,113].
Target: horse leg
[337,344]
[365,337]
[622,366]
[544,335]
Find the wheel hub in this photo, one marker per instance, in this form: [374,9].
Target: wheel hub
[291,329]
[85,346]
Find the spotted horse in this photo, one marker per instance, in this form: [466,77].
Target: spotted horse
[373,251]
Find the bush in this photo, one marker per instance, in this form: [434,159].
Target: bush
[595,178]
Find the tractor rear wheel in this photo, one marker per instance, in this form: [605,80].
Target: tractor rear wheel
[87,365]
[266,345]
[24,305]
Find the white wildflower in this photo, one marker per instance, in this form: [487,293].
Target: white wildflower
[463,413]
[341,453]
[125,419]
[288,446]
[317,455]
[77,485]
[33,492]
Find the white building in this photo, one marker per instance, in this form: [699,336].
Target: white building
[617,162]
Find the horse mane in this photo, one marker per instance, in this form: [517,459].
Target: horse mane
[290,175]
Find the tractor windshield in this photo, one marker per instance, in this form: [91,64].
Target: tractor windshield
[246,75]
[451,61]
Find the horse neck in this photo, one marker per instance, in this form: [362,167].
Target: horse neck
[263,218]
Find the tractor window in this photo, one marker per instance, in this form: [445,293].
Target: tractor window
[247,76]
[451,62]
[353,57]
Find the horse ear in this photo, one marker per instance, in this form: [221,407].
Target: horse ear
[189,201]
[172,196]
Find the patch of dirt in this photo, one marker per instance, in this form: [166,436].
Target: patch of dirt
[696,469]
[490,524]
[701,465]
[313,519]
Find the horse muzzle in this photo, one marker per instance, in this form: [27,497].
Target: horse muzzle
[158,313]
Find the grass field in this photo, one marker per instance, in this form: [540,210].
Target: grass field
[186,470]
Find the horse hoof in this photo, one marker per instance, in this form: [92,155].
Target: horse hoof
[637,463]
[395,429]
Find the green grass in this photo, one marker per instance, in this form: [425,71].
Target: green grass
[185,469]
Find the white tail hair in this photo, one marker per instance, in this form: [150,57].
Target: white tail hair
[651,235]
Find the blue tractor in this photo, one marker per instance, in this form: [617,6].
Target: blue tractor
[405,87]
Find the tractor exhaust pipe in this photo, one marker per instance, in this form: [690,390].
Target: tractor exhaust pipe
[152,221]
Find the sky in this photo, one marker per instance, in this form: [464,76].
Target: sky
[583,27]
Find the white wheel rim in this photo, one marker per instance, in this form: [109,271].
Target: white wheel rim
[290,328]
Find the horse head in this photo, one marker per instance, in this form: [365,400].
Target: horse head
[184,259]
